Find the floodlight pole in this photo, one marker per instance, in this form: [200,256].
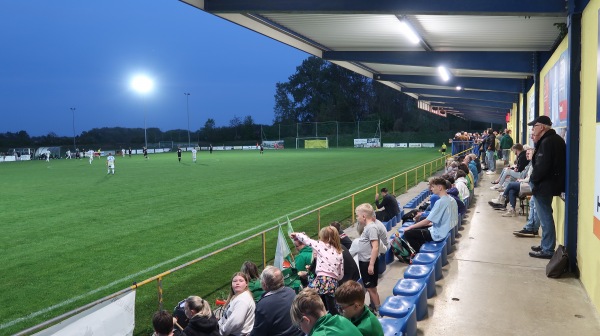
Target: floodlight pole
[187,101]
[145,134]
[73,111]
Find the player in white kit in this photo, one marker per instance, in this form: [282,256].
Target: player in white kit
[91,154]
[110,164]
[194,151]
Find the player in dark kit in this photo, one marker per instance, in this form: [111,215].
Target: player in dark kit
[145,152]
[179,154]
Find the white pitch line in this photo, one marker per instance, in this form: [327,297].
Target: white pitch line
[151,268]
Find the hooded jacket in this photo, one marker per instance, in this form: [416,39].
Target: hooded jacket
[200,326]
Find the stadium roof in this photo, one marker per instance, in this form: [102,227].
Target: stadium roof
[491,48]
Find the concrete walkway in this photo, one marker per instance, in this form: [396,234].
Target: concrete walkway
[491,285]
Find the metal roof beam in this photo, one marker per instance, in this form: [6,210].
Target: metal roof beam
[479,95]
[510,61]
[470,102]
[407,7]
[480,83]
[470,108]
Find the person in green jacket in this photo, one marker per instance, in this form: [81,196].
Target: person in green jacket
[506,144]
[303,261]
[350,297]
[251,270]
[309,315]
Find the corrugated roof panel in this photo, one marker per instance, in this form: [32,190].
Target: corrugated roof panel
[393,69]
[506,33]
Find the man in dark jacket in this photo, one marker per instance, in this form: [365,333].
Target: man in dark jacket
[547,179]
[272,314]
[390,205]
[490,149]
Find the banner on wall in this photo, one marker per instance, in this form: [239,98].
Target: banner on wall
[530,113]
[556,92]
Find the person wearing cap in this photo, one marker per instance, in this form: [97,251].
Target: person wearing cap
[547,179]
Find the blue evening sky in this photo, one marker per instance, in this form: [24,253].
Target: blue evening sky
[70,53]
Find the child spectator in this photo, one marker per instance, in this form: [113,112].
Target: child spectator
[350,298]
[251,270]
[238,314]
[309,315]
[162,323]
[330,263]
[202,321]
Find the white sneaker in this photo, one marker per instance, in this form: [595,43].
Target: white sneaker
[510,213]
[494,187]
[490,172]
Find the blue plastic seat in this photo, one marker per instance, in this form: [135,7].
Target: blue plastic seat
[436,247]
[416,290]
[405,326]
[422,272]
[396,307]
[433,258]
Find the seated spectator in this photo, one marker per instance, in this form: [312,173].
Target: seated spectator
[389,203]
[309,315]
[461,184]
[475,159]
[202,322]
[472,167]
[344,239]
[351,300]
[272,314]
[453,192]
[251,270]
[162,323]
[303,260]
[468,176]
[518,171]
[443,217]
[238,314]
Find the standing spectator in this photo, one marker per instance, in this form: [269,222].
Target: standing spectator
[344,239]
[506,144]
[110,164]
[272,314]
[442,218]
[162,323]
[238,314]
[330,263]
[309,315]
[547,179]
[490,148]
[389,204]
[351,299]
[202,322]
[178,153]
[194,152]
[367,249]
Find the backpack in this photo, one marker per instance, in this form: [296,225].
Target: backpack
[402,249]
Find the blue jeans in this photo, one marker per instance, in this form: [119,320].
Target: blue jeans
[533,222]
[543,205]
[490,160]
[512,191]
[506,173]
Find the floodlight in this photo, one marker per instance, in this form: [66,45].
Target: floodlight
[142,84]
[458,88]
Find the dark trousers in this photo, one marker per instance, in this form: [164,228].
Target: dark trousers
[417,237]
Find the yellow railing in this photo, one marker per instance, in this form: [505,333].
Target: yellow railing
[399,182]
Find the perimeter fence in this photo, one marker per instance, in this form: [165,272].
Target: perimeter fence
[209,276]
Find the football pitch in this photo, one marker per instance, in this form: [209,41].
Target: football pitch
[72,234]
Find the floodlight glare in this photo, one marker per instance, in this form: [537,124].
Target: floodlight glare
[458,88]
[409,32]
[444,73]
[142,84]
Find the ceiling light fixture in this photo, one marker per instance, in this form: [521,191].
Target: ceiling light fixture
[409,32]
[444,73]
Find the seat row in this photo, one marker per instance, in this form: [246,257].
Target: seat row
[413,203]
[408,304]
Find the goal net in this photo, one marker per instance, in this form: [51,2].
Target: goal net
[312,142]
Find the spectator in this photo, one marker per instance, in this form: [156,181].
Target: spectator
[303,260]
[490,148]
[238,314]
[272,315]
[461,184]
[330,263]
[351,300]
[453,192]
[468,160]
[344,239]
[443,217]
[506,143]
[251,270]
[390,205]
[516,172]
[202,321]
[162,323]
[367,250]
[547,179]
[309,315]
[532,226]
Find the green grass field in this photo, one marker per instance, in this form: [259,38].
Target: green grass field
[72,234]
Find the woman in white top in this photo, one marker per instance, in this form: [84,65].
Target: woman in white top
[238,315]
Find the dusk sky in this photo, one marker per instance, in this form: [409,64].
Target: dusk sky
[83,54]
